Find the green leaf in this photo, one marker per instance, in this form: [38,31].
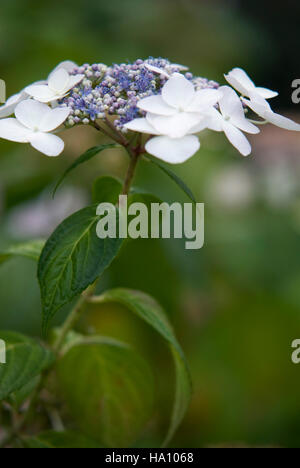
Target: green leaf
[151,312]
[66,439]
[108,388]
[20,396]
[25,359]
[30,250]
[89,154]
[72,259]
[106,189]
[174,177]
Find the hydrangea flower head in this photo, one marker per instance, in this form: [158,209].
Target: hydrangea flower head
[154,97]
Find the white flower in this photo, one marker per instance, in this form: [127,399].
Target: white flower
[179,108]
[33,123]
[175,116]
[170,150]
[262,108]
[67,65]
[12,102]
[58,85]
[240,81]
[231,120]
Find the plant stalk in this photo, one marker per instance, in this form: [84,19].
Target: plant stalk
[134,158]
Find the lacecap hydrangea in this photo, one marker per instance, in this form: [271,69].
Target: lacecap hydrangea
[117,90]
[162,102]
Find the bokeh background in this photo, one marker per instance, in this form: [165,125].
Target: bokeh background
[235,304]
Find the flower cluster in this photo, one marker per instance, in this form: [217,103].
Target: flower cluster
[180,112]
[153,97]
[116,90]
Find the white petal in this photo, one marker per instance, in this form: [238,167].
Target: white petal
[178,66]
[259,105]
[175,126]
[214,120]
[281,121]
[53,119]
[58,81]
[41,93]
[266,93]
[231,105]
[178,92]
[202,125]
[157,70]
[156,105]
[204,98]
[173,150]
[50,145]
[247,127]
[10,105]
[141,125]
[73,81]
[67,65]
[31,113]
[11,129]
[237,139]
[239,79]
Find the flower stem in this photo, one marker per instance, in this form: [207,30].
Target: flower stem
[134,157]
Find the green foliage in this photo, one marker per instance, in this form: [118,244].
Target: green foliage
[106,189]
[20,396]
[172,176]
[72,259]
[66,439]
[151,312]
[89,154]
[108,388]
[31,249]
[26,359]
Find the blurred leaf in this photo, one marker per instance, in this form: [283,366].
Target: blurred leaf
[72,259]
[146,198]
[106,189]
[67,439]
[20,396]
[108,388]
[25,359]
[89,154]
[174,177]
[151,312]
[31,249]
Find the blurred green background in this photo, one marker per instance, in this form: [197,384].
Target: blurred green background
[235,304]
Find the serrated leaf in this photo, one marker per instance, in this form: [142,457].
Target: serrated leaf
[108,389]
[174,177]
[72,259]
[31,249]
[106,189]
[151,312]
[89,154]
[25,359]
[66,439]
